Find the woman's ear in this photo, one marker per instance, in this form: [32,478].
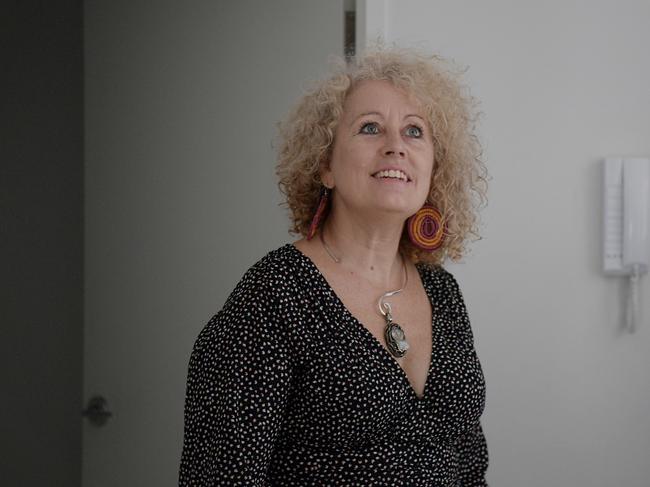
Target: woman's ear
[326,176]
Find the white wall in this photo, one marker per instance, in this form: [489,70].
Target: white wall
[563,84]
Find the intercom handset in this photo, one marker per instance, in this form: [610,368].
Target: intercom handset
[626,224]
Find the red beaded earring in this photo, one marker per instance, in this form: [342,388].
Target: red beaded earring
[320,213]
[427,228]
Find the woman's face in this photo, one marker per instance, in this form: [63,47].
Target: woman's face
[383,152]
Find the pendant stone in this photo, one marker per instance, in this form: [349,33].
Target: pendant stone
[395,339]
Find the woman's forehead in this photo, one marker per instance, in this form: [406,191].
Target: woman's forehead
[380,96]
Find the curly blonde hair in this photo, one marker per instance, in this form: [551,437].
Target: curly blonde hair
[459,177]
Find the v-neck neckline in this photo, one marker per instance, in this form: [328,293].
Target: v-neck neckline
[372,339]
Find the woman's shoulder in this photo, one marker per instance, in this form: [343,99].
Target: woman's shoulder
[258,298]
[274,269]
[437,276]
[281,259]
[447,290]
[273,277]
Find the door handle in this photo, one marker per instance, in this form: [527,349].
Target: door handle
[97,411]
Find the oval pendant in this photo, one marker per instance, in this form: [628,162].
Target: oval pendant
[395,339]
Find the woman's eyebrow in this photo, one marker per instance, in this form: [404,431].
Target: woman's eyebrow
[415,115]
[365,114]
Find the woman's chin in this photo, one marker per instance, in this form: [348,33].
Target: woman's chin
[394,211]
[398,204]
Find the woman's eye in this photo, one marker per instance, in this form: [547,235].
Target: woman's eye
[414,131]
[369,128]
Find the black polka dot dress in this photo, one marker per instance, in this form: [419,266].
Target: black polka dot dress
[286,388]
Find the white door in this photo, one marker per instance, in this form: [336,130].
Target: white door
[181,104]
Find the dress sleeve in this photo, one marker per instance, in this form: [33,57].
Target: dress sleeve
[473,455]
[471,445]
[238,386]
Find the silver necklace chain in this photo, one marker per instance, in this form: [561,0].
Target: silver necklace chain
[327,249]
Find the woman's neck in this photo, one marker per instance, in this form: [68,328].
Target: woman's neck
[365,248]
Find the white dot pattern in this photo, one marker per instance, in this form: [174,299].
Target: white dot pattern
[285,387]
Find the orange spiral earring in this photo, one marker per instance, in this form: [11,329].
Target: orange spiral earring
[320,213]
[427,228]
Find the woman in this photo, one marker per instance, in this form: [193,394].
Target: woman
[347,357]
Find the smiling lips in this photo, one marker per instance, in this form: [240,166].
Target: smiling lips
[391,174]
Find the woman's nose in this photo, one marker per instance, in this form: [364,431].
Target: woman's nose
[394,145]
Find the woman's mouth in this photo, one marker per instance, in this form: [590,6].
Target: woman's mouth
[392,174]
